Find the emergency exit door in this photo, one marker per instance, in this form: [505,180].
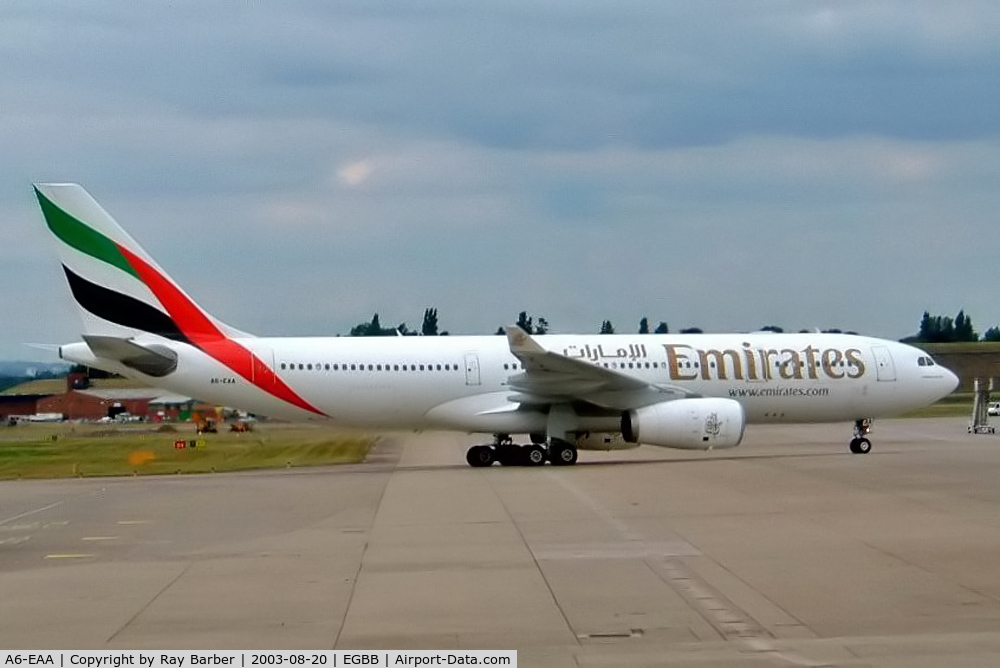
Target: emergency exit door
[885,369]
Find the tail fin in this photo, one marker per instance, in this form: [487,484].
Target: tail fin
[120,289]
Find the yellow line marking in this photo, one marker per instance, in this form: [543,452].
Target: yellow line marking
[68,556]
[94,538]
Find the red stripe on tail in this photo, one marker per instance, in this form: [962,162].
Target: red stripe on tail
[206,335]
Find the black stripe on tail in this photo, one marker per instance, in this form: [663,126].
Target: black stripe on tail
[122,309]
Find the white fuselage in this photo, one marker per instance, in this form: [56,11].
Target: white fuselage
[462,382]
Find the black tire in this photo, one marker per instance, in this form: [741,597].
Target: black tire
[480,455]
[562,454]
[533,455]
[509,455]
[861,446]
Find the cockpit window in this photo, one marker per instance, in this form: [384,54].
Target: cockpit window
[925,361]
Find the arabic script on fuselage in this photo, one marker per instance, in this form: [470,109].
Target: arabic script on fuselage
[685,362]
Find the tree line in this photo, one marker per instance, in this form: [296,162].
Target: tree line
[943,329]
[429,327]
[933,328]
[529,323]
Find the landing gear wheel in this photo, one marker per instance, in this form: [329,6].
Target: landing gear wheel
[861,446]
[562,454]
[533,455]
[509,454]
[538,439]
[480,455]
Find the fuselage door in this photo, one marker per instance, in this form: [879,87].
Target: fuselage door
[472,369]
[884,367]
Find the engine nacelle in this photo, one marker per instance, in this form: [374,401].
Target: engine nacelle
[601,441]
[691,424]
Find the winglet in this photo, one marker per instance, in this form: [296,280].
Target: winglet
[521,342]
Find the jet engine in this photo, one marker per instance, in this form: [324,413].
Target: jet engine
[691,424]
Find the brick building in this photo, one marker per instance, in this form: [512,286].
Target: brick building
[79,398]
[19,404]
[95,403]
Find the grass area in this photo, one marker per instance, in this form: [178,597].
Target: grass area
[958,404]
[67,450]
[77,450]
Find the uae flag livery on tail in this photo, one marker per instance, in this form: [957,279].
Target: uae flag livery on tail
[122,293]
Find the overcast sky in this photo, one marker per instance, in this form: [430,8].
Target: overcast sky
[297,166]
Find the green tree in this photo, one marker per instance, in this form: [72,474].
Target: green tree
[430,325]
[692,330]
[374,328]
[530,325]
[644,325]
[963,328]
[607,327]
[942,329]
[772,328]
[662,328]
[928,328]
[992,334]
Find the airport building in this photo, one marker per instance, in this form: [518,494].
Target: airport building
[94,404]
[78,397]
[19,404]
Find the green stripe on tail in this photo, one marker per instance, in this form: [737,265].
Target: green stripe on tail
[81,237]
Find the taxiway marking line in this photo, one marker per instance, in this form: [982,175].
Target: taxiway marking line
[31,512]
[69,556]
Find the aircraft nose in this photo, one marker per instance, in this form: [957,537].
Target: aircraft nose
[949,382]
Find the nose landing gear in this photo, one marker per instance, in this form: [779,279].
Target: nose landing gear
[860,445]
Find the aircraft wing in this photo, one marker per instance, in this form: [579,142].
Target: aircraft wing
[551,378]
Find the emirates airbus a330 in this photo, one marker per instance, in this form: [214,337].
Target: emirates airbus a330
[568,393]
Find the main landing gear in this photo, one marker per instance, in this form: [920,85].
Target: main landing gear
[860,445]
[507,453]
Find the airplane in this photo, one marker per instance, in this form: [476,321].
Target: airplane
[566,392]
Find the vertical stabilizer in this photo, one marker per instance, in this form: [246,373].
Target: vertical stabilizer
[119,288]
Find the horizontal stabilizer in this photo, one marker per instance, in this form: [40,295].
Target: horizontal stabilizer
[153,359]
[51,347]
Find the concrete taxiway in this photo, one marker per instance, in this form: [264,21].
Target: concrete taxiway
[785,551]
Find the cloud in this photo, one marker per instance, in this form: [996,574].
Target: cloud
[354,174]
[794,163]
